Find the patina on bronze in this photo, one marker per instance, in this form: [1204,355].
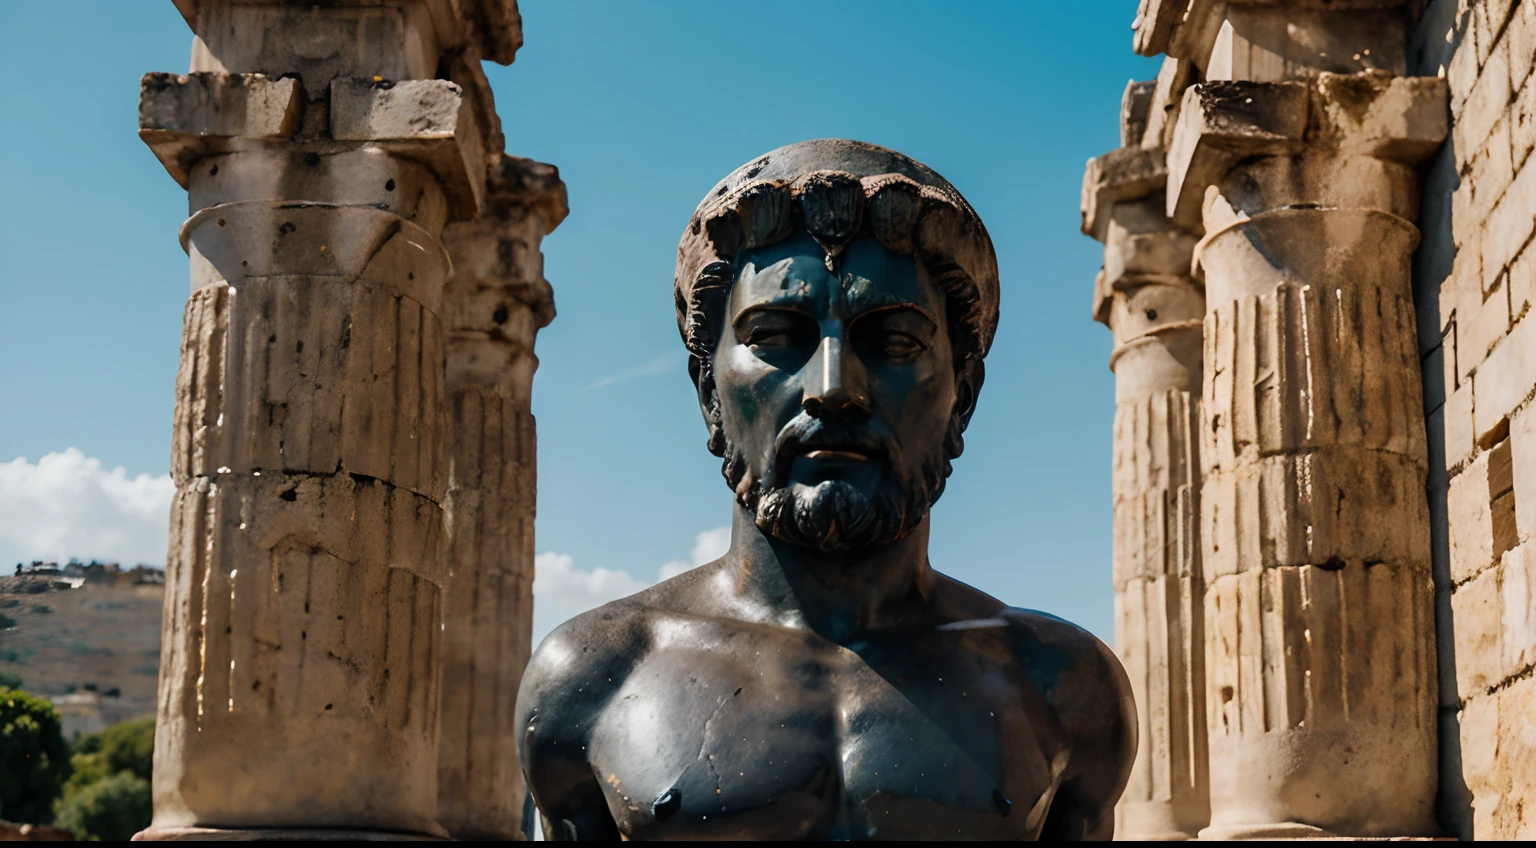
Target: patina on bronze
[821,680]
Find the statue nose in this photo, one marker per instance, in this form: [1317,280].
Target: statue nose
[833,383]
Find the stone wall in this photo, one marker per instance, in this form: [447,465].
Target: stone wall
[1477,339]
[1353,178]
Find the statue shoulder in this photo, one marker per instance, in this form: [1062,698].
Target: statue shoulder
[568,682]
[574,670]
[581,663]
[1063,653]
[1088,690]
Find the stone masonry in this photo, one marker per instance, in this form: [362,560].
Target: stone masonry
[324,148]
[1351,177]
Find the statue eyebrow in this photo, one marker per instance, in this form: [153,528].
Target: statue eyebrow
[861,296]
[799,296]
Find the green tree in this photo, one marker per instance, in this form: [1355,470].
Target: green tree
[112,809]
[9,680]
[128,746]
[34,761]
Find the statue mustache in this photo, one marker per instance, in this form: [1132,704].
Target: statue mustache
[804,433]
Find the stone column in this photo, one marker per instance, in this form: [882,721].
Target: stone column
[300,680]
[496,301]
[1320,663]
[1146,297]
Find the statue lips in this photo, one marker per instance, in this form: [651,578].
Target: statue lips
[838,453]
[822,440]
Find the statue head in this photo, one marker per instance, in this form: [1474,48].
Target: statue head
[837,299]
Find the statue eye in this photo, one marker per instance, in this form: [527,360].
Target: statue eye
[769,338]
[772,330]
[902,347]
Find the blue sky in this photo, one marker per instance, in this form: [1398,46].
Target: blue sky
[643,106]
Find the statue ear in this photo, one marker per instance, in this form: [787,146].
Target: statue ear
[709,403]
[968,382]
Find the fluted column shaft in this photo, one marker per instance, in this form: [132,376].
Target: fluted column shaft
[300,680]
[1146,297]
[495,303]
[1320,659]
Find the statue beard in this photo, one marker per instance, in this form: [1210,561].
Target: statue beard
[834,515]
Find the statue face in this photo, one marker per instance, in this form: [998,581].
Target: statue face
[836,390]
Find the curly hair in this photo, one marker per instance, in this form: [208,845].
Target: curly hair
[834,208]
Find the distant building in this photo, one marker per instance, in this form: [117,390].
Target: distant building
[79,713]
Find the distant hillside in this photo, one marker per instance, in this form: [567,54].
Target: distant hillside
[79,634]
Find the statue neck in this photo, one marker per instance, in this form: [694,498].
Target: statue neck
[837,594]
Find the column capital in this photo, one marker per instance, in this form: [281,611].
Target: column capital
[493,27]
[536,186]
[1128,173]
[430,121]
[1135,107]
[1123,208]
[1220,123]
[185,118]
[1179,28]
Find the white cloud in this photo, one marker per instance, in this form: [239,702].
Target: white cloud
[562,591]
[707,547]
[68,505]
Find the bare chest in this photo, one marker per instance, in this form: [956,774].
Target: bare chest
[787,743]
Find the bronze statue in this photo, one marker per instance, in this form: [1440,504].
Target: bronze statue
[821,680]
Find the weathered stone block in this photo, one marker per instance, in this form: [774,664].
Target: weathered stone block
[1119,175]
[1141,243]
[1517,637]
[1471,532]
[1156,486]
[1288,370]
[1487,102]
[1265,44]
[301,615]
[328,174]
[1155,23]
[1222,122]
[1396,118]
[1135,103]
[487,608]
[1522,284]
[1480,757]
[1522,116]
[1498,738]
[1161,643]
[1461,75]
[1522,441]
[1459,441]
[1174,76]
[1315,673]
[1482,320]
[1476,611]
[1505,378]
[184,118]
[1521,35]
[1331,506]
[1516,765]
[1508,226]
[327,367]
[428,120]
[1492,172]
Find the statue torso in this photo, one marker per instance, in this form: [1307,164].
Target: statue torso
[715,727]
[751,729]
